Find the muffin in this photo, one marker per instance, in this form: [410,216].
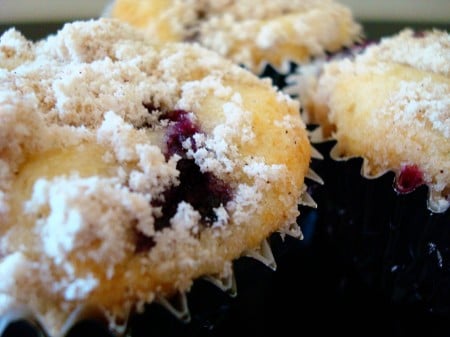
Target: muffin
[380,114]
[129,169]
[278,33]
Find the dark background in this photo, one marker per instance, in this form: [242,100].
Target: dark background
[319,287]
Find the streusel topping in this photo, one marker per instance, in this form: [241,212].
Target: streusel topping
[128,168]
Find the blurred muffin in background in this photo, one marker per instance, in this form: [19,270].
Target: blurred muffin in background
[254,34]
[380,113]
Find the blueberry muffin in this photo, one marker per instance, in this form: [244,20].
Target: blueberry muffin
[250,33]
[405,125]
[128,169]
[380,113]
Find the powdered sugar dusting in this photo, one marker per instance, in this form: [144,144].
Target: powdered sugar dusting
[422,102]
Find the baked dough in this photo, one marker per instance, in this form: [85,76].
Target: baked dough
[251,33]
[128,169]
[389,103]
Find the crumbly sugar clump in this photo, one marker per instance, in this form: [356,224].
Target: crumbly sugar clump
[247,32]
[107,140]
[390,105]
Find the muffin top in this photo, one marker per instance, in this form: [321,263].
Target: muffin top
[250,33]
[389,103]
[128,169]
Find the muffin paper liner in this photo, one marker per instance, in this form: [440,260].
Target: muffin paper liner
[23,315]
[177,305]
[396,246]
[227,283]
[279,76]
[263,254]
[20,314]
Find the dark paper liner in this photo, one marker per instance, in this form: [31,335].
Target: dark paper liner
[386,243]
[278,77]
[213,311]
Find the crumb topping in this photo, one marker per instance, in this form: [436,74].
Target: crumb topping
[129,168]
